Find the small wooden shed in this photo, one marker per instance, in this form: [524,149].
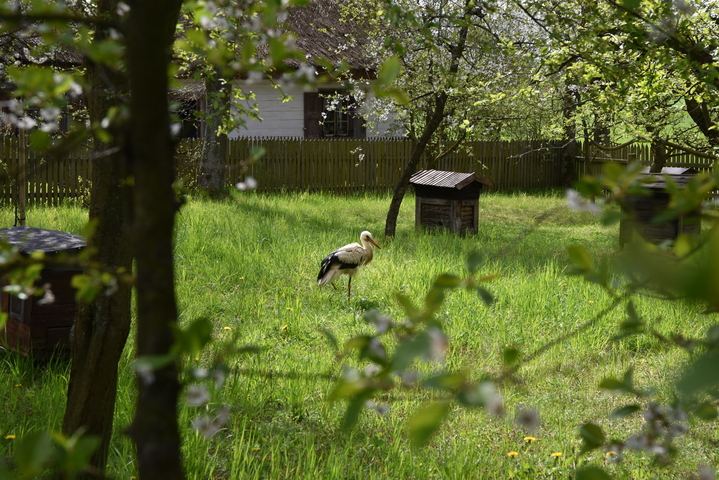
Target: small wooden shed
[642,209]
[35,328]
[448,200]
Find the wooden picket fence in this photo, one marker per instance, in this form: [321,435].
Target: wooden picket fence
[336,166]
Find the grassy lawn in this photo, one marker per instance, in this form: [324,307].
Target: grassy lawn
[250,265]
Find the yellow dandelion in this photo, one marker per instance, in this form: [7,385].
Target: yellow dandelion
[227,328]
[512,454]
[591,301]
[530,439]
[557,454]
[18,384]
[197,359]
[289,308]
[284,327]
[610,453]
[9,437]
[256,449]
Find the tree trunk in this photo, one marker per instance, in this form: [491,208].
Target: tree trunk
[701,115]
[150,29]
[212,166]
[101,328]
[434,117]
[659,156]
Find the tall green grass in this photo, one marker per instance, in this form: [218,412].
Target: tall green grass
[249,264]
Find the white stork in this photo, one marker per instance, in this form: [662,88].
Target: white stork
[346,261]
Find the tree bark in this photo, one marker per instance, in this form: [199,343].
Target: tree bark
[701,115]
[659,152]
[212,166]
[433,119]
[154,429]
[101,328]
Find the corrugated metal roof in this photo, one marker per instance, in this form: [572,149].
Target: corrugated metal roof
[674,171]
[31,239]
[678,174]
[438,178]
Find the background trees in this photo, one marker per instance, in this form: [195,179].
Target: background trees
[464,67]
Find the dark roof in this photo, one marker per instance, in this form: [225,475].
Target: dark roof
[324,32]
[27,48]
[438,178]
[31,239]
[657,180]
[673,171]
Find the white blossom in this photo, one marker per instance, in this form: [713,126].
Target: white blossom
[575,201]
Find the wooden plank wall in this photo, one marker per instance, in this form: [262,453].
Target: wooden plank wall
[335,166]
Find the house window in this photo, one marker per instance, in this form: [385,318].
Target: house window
[328,116]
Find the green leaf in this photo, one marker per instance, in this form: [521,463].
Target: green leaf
[32,452]
[592,473]
[330,337]
[631,4]
[612,217]
[581,258]
[409,309]
[192,340]
[625,411]
[445,381]
[426,421]
[486,297]
[684,245]
[40,140]
[447,280]
[624,385]
[152,362]
[510,356]
[86,288]
[434,299]
[388,71]
[706,411]
[410,349]
[474,260]
[592,435]
[702,375]
[354,407]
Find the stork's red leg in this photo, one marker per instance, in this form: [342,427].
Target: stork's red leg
[349,285]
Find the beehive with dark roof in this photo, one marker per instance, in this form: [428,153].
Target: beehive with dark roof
[35,327]
[640,210]
[448,200]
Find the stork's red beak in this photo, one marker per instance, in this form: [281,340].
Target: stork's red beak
[374,243]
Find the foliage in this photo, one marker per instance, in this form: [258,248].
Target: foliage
[634,70]
[491,89]
[681,271]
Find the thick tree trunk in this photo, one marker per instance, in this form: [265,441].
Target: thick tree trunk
[212,166]
[659,156]
[101,328]
[154,428]
[701,115]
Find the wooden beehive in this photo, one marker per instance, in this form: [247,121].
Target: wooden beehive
[641,209]
[448,200]
[34,328]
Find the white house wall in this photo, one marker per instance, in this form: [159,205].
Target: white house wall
[281,119]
